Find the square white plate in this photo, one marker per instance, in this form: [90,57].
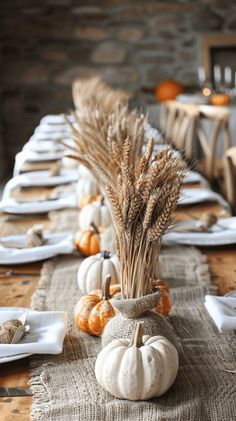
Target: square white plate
[46,335]
[61,243]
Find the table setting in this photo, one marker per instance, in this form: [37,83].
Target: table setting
[124,319]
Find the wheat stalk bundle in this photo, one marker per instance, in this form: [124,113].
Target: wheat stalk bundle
[94,90]
[142,189]
[95,132]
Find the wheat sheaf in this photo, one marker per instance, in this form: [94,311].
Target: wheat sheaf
[142,188]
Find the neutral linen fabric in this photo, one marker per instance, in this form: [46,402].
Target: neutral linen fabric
[222,311]
[65,388]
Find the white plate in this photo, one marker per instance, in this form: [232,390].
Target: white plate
[9,205]
[40,179]
[13,358]
[30,156]
[46,334]
[192,196]
[55,119]
[61,243]
[217,237]
[194,177]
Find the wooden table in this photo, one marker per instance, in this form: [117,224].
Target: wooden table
[17,288]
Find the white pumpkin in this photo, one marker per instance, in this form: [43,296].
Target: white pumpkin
[95,268]
[137,370]
[69,163]
[97,213]
[85,173]
[87,187]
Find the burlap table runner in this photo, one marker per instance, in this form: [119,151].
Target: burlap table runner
[65,388]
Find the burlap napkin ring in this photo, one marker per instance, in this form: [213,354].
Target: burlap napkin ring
[12,331]
[35,236]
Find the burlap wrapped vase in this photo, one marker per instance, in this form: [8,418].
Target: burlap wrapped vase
[131,311]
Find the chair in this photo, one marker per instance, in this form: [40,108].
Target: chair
[219,119]
[229,162]
[178,121]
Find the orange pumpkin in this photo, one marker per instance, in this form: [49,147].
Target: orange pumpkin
[89,199]
[88,241]
[165,303]
[220,99]
[93,311]
[168,89]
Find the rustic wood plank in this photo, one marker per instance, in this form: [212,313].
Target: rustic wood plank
[15,408]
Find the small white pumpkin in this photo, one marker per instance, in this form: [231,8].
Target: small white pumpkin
[137,370]
[85,173]
[97,213]
[87,187]
[69,163]
[95,268]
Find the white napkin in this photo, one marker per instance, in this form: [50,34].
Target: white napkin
[30,156]
[44,137]
[52,128]
[61,243]
[191,196]
[222,233]
[36,145]
[194,177]
[221,309]
[55,119]
[46,335]
[38,179]
[9,205]
[151,132]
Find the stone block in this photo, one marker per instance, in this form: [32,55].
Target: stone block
[67,76]
[109,52]
[122,75]
[53,54]
[91,33]
[130,34]
[163,20]
[24,73]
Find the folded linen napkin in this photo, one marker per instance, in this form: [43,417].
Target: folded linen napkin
[223,311]
[56,119]
[45,137]
[194,177]
[191,196]
[40,179]
[29,156]
[52,128]
[35,145]
[58,243]
[46,334]
[9,205]
[221,233]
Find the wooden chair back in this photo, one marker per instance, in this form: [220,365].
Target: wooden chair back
[219,120]
[230,177]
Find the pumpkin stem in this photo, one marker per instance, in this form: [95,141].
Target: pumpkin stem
[106,288]
[105,254]
[137,336]
[102,201]
[95,229]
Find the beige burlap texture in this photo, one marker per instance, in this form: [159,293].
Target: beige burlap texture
[65,387]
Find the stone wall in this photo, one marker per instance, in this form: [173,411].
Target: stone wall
[131,43]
